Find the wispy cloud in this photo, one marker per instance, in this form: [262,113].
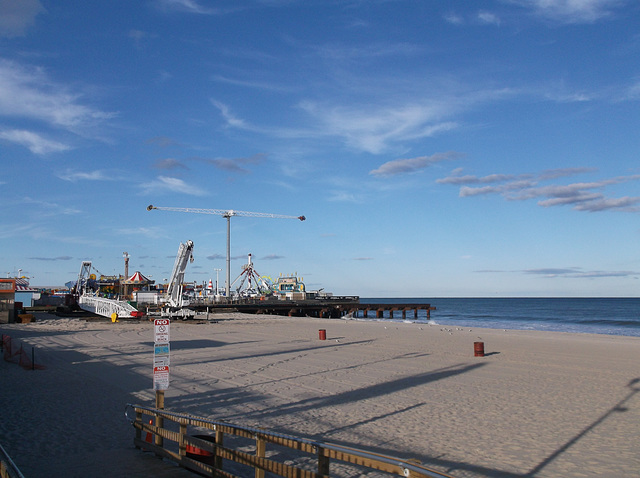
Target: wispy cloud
[411,165]
[228,116]
[59,258]
[366,125]
[142,231]
[22,230]
[187,6]
[374,129]
[565,272]
[236,165]
[48,208]
[164,184]
[272,257]
[162,141]
[75,176]
[572,11]
[17,16]
[488,18]
[253,84]
[582,196]
[29,93]
[170,163]
[482,17]
[33,141]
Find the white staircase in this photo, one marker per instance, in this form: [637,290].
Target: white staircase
[106,307]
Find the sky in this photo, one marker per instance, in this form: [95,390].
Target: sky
[437,149]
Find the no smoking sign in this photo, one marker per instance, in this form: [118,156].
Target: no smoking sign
[161,331]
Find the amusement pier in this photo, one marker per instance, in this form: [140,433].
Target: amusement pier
[335,307]
[136,296]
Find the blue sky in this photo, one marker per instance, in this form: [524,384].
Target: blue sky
[437,149]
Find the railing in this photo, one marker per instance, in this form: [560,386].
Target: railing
[8,468]
[246,448]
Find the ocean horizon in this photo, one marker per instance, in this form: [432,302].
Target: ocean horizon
[593,315]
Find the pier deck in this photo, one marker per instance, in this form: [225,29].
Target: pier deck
[334,308]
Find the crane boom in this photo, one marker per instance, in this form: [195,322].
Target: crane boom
[224,212]
[174,290]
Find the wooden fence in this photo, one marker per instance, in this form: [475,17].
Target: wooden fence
[8,468]
[220,449]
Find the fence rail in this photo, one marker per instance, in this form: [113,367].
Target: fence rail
[246,446]
[8,468]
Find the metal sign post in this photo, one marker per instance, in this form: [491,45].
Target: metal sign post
[161,351]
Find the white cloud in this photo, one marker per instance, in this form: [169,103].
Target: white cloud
[373,130]
[17,15]
[228,116]
[97,175]
[187,6]
[488,18]
[164,184]
[48,208]
[33,141]
[29,93]
[572,11]
[152,232]
[454,18]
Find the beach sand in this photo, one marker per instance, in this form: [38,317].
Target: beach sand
[538,404]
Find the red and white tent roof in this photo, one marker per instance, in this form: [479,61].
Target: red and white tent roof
[22,285]
[137,278]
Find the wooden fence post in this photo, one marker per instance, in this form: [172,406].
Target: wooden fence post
[323,462]
[138,431]
[261,450]
[159,419]
[182,448]
[219,443]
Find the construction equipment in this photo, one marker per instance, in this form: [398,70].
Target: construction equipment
[227,214]
[174,290]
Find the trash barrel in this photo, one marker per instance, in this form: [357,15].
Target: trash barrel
[322,334]
[478,349]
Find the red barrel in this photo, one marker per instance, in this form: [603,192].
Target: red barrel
[322,334]
[198,454]
[478,349]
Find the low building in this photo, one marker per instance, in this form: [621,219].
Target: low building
[7,300]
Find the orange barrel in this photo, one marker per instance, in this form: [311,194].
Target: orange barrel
[478,349]
[322,334]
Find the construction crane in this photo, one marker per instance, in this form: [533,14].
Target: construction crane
[228,214]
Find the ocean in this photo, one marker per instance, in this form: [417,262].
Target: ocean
[612,316]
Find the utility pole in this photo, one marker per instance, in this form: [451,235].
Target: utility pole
[126,273]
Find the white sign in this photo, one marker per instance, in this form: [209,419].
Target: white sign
[161,378]
[161,331]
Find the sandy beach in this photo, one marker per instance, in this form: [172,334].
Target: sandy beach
[538,404]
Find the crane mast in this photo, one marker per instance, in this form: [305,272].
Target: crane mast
[227,213]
